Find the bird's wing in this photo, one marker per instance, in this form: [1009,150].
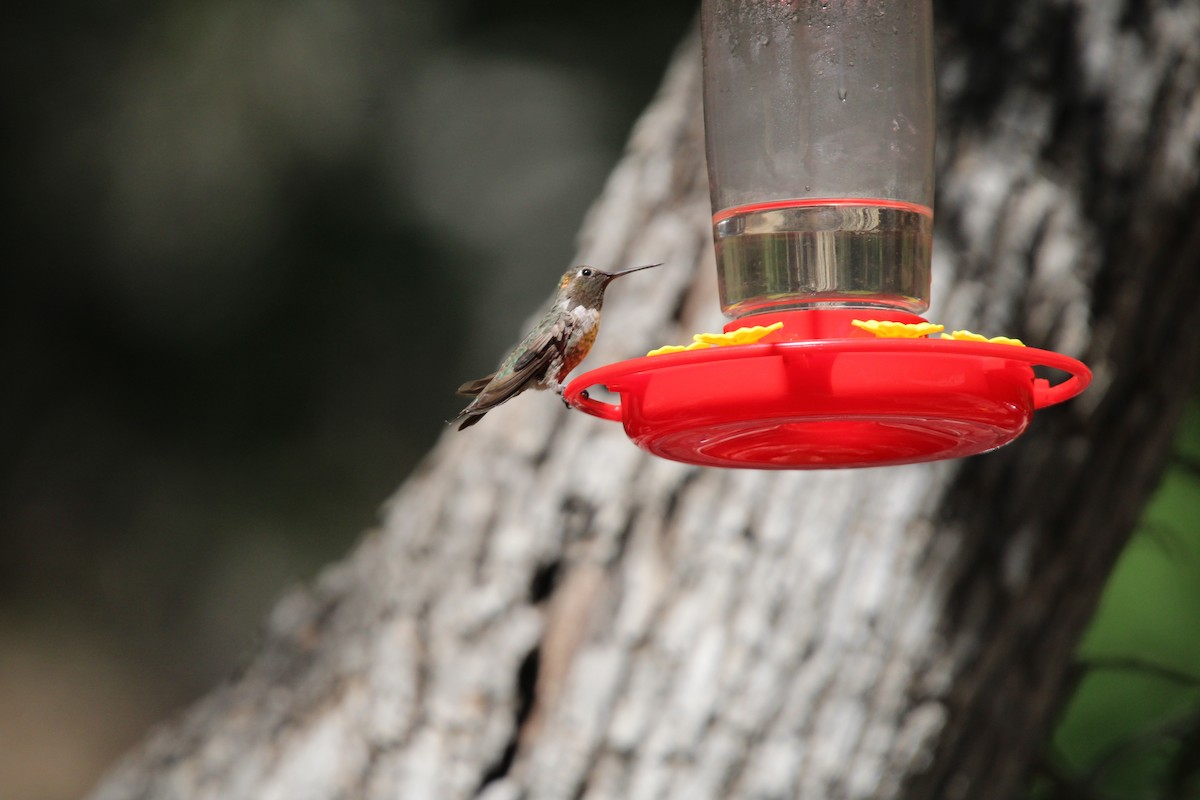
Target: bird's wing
[538,352]
[472,388]
[526,370]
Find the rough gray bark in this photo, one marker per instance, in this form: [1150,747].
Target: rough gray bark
[546,612]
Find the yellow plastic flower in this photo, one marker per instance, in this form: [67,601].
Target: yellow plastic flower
[739,336]
[897,330]
[967,336]
[703,340]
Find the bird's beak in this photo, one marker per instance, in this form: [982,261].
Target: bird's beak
[632,269]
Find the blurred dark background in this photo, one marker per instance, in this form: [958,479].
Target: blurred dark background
[250,249]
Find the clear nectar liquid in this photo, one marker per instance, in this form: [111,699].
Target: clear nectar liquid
[812,253]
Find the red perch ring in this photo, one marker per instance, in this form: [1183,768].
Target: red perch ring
[824,403]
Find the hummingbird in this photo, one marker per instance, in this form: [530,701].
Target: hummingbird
[552,349]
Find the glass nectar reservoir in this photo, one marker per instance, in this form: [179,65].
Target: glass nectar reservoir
[819,125]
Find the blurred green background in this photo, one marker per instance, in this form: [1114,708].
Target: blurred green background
[1132,729]
[231,225]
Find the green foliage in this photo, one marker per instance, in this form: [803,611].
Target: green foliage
[1132,729]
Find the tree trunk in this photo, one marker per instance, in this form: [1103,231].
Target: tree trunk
[548,612]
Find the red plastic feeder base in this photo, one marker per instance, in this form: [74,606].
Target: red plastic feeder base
[821,394]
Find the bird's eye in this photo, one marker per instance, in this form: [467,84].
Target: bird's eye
[585,272]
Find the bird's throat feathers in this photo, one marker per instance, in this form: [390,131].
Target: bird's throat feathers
[580,314]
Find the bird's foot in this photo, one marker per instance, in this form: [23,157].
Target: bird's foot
[582,395]
[559,389]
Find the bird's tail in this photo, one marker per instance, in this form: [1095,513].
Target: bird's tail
[467,419]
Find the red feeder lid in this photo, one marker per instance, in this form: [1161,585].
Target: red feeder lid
[820,393]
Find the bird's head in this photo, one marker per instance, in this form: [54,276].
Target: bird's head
[584,285]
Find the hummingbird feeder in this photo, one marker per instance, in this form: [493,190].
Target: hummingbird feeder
[819,129]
